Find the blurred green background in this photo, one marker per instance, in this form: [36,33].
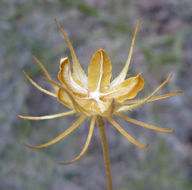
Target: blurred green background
[163,45]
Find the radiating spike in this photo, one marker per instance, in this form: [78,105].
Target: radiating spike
[131,120]
[121,77]
[38,87]
[44,70]
[125,134]
[46,116]
[131,107]
[152,99]
[85,146]
[77,69]
[61,136]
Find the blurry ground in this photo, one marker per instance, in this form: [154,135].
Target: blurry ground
[163,45]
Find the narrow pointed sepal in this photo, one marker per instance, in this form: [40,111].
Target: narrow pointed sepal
[85,146]
[131,120]
[77,69]
[156,98]
[39,87]
[121,77]
[61,136]
[131,107]
[44,70]
[125,134]
[46,116]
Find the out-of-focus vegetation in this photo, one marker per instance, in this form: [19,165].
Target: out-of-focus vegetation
[163,45]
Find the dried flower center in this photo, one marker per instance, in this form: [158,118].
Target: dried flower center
[95,95]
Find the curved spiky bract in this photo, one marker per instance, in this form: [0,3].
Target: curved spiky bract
[38,87]
[61,136]
[121,77]
[46,116]
[78,71]
[92,125]
[131,107]
[125,134]
[44,70]
[152,99]
[143,124]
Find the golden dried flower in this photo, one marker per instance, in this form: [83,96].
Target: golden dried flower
[94,96]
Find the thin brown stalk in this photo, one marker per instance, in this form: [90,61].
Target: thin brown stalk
[101,126]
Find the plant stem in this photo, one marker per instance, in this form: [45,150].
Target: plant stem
[101,126]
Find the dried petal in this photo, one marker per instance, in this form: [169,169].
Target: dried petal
[133,106]
[65,76]
[99,71]
[126,90]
